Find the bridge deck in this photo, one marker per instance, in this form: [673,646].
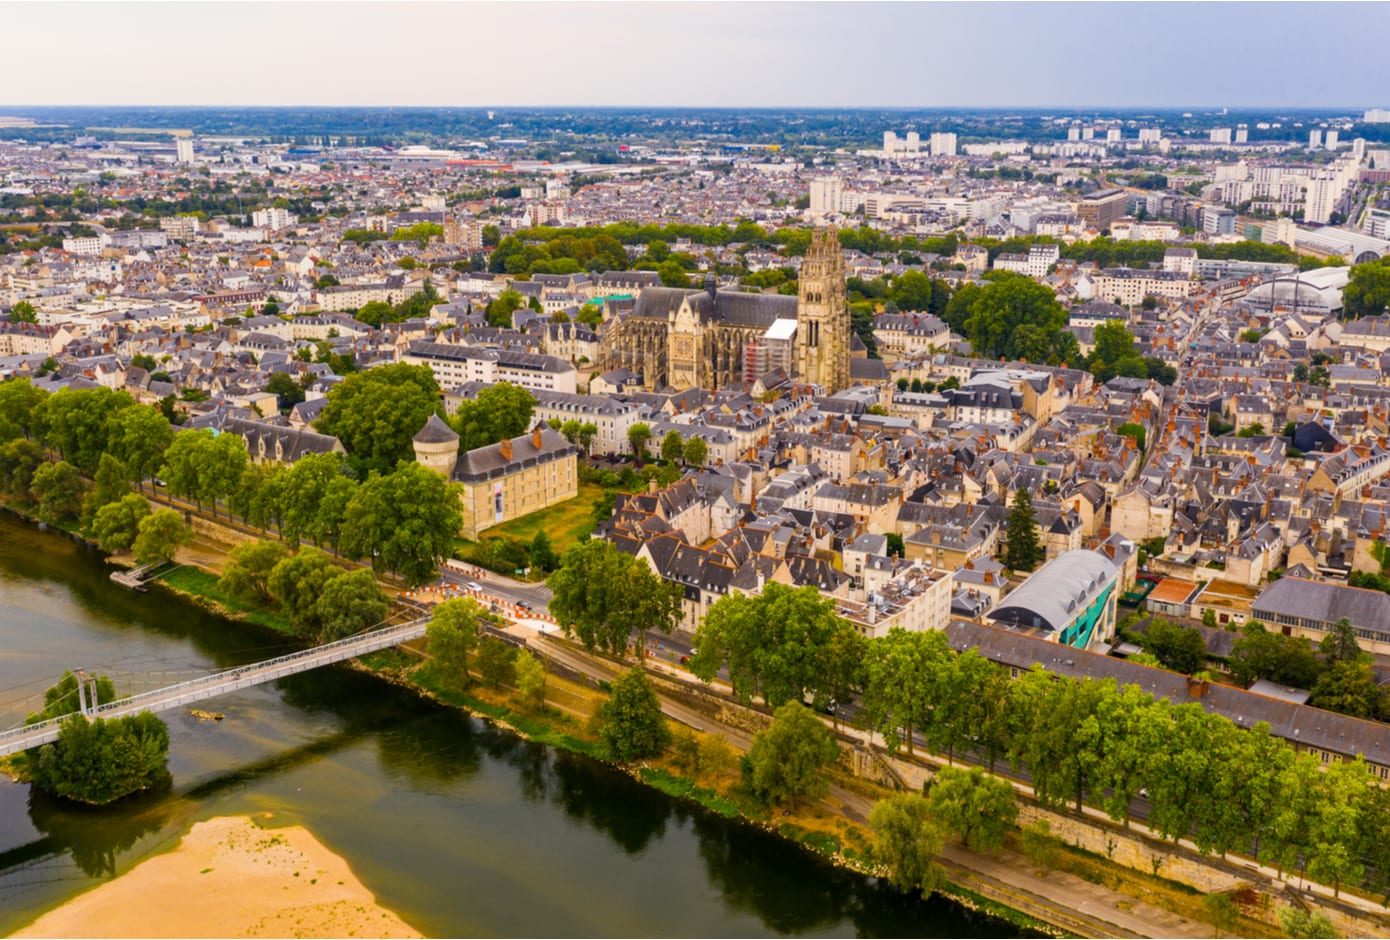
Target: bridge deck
[196,690]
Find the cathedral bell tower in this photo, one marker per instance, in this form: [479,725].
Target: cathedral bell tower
[822,314]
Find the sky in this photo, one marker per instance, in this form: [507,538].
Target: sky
[720,54]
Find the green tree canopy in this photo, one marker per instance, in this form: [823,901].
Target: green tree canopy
[496,662]
[672,447]
[103,760]
[297,581]
[500,411]
[246,575]
[350,603]
[451,637]
[630,720]
[981,809]
[116,525]
[376,413]
[1023,551]
[909,839]
[404,521]
[696,452]
[58,489]
[20,406]
[603,596]
[1015,317]
[789,759]
[784,644]
[1367,293]
[159,536]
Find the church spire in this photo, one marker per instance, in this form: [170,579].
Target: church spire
[822,314]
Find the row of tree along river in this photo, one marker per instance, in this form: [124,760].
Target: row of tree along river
[460,828]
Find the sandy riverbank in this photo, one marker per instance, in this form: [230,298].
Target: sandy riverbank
[229,878]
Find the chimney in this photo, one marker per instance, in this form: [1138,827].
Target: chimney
[505,447]
[651,485]
[1197,688]
[536,437]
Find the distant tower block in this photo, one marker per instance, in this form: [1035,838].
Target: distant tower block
[822,314]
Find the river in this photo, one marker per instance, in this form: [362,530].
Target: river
[462,829]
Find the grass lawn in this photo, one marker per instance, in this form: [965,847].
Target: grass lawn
[201,583]
[564,523]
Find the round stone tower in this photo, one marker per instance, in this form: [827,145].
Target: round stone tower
[437,446]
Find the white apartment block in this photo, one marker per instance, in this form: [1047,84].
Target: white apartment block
[1033,264]
[85,246]
[943,144]
[1147,135]
[1130,285]
[183,150]
[612,418]
[458,365]
[1376,116]
[826,193]
[1219,135]
[181,226]
[273,219]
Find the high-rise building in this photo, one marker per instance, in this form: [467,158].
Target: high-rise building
[1112,136]
[1088,133]
[1314,140]
[1073,132]
[1330,141]
[1242,134]
[1220,135]
[914,142]
[826,193]
[943,144]
[1358,149]
[1103,208]
[1149,135]
[822,315]
[1377,116]
[890,142]
[183,150]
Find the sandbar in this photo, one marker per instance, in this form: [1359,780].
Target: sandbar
[229,877]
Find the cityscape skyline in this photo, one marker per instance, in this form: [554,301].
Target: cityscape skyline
[754,55]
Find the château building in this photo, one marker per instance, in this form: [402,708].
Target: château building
[681,338]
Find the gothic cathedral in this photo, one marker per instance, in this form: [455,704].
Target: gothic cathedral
[684,338]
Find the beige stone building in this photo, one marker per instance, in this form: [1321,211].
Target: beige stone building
[505,480]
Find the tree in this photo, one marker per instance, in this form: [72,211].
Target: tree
[586,434]
[19,459]
[23,312]
[1349,687]
[20,406]
[637,436]
[376,413]
[1114,353]
[1181,649]
[496,662]
[405,522]
[603,595]
[672,447]
[376,312]
[112,482]
[1222,911]
[499,412]
[204,466]
[1367,293]
[1132,429]
[1340,645]
[159,536]
[350,603]
[103,760]
[909,840]
[541,554]
[500,310]
[530,680]
[246,575]
[789,759]
[297,581]
[75,423]
[696,452]
[58,489]
[1023,552]
[305,489]
[630,721]
[116,525]
[1296,922]
[783,644]
[288,391]
[451,637]
[1015,317]
[979,808]
[672,274]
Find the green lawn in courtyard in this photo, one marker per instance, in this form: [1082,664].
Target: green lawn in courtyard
[564,523]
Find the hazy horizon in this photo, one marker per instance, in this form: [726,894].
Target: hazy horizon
[701,55]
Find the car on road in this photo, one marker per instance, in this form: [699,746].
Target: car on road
[473,585]
[523,605]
